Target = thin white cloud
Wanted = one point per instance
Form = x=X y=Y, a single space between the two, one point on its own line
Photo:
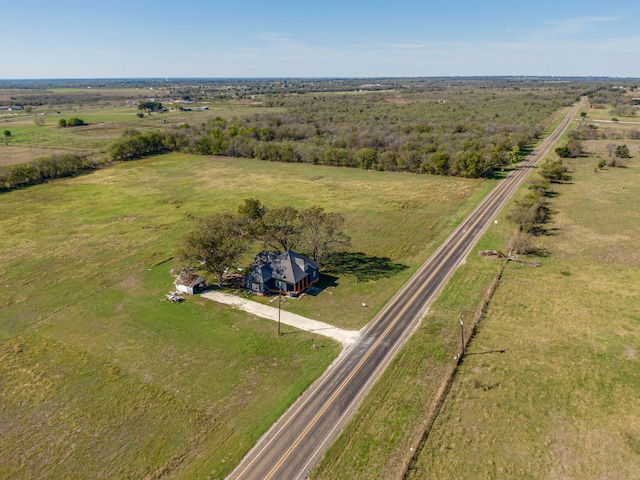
x=281 y=54
x=410 y=46
x=577 y=25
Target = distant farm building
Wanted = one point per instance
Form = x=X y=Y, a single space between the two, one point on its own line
x=290 y=273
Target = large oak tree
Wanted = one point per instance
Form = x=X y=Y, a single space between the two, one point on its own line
x=215 y=244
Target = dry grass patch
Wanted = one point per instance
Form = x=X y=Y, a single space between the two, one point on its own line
x=14 y=155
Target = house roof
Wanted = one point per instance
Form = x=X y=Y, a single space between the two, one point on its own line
x=290 y=266
x=188 y=279
x=260 y=273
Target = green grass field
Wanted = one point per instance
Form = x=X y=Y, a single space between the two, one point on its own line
x=104 y=378
x=560 y=402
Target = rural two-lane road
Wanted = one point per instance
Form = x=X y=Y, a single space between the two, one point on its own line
x=297 y=441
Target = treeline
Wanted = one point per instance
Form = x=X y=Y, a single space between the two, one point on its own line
x=134 y=144
x=531 y=212
x=43 y=169
x=591 y=131
x=459 y=132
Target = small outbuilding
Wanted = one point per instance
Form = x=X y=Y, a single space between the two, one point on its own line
x=189 y=283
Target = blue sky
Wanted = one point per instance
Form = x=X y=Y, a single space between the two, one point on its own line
x=247 y=38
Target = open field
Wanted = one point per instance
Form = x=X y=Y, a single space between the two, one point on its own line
x=103 y=378
x=104 y=125
x=93 y=359
x=380 y=440
x=560 y=401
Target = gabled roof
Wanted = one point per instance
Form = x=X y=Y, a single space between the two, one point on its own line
x=188 y=279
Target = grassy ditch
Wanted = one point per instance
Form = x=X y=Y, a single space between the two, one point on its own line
x=379 y=440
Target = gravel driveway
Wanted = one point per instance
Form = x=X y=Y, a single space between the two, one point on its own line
x=345 y=337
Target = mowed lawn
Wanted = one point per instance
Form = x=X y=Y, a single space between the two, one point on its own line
x=103 y=378
x=562 y=400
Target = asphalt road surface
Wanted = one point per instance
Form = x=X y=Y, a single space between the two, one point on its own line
x=296 y=442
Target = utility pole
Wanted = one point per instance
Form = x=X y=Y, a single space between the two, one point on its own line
x=279 y=301
x=462 y=334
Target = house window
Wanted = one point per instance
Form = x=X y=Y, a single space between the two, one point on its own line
x=314 y=274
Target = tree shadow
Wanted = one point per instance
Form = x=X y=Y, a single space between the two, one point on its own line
x=499 y=174
x=541 y=230
x=362 y=266
x=487 y=352
x=527 y=150
x=325 y=281
x=539 y=252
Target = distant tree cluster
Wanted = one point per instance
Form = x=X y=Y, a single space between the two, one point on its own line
x=134 y=144
x=150 y=106
x=219 y=240
x=553 y=170
x=470 y=134
x=616 y=155
x=43 y=169
x=72 y=122
x=572 y=149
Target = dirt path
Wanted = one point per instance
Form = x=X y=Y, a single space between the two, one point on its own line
x=345 y=337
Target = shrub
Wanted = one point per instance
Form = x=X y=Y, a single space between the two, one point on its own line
x=137 y=145
x=622 y=151
x=553 y=171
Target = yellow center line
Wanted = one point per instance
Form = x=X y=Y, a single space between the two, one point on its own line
x=495 y=198
x=370 y=351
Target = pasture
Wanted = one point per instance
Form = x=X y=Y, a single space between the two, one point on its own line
x=103 y=377
x=560 y=401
